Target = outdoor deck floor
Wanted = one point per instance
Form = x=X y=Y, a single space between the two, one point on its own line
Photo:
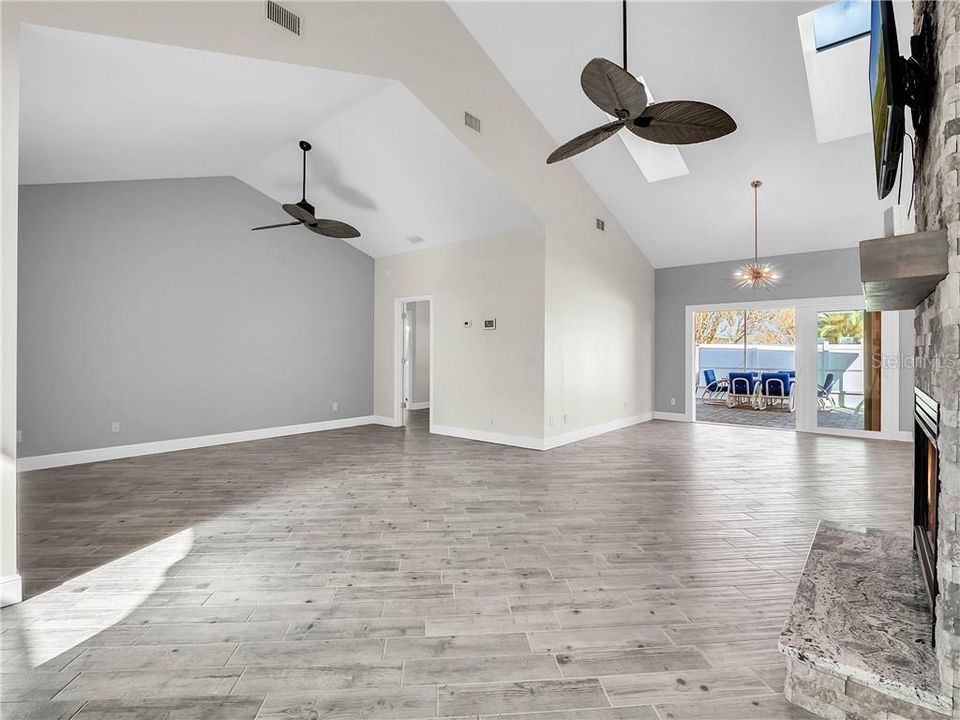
x=774 y=418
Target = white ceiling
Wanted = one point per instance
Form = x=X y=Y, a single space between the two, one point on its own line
x=98 y=108
x=742 y=56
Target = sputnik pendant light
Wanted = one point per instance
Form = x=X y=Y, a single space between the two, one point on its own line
x=756 y=275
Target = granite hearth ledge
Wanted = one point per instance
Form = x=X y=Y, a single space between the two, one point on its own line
x=858 y=638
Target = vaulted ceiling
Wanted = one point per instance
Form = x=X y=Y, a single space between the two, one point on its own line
x=742 y=56
x=101 y=108
x=97 y=108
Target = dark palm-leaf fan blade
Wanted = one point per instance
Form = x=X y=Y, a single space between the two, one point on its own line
x=270 y=227
x=682 y=122
x=334 y=228
x=584 y=142
x=613 y=89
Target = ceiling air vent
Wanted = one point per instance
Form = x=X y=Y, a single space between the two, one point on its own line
x=601 y=225
x=471 y=121
x=283 y=17
x=414 y=239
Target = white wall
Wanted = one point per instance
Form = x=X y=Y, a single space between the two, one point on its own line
x=483 y=380
x=599 y=329
x=421 y=353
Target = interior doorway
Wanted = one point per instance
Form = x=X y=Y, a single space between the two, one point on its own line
x=414 y=397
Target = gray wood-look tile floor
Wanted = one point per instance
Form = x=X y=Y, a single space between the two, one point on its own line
x=387 y=573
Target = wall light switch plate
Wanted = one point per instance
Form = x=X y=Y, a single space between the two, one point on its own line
x=115 y=427
x=19 y=435
x=490 y=324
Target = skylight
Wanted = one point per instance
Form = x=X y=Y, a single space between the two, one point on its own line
x=836 y=78
x=840 y=21
x=656 y=162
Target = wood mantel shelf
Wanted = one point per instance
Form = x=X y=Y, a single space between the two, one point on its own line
x=899 y=272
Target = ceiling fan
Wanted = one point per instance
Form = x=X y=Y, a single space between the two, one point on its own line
x=619 y=94
x=305 y=213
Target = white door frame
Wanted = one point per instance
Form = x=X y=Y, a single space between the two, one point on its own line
x=398 y=304
x=806 y=362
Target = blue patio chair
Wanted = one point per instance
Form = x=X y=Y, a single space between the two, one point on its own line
x=824 y=398
x=714 y=391
x=741 y=389
x=776 y=389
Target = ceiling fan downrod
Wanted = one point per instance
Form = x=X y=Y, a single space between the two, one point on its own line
x=306 y=147
x=625 y=35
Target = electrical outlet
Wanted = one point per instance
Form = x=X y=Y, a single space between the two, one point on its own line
x=673 y=401
x=115 y=426
x=335 y=405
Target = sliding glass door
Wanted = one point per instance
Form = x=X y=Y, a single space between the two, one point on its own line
x=849 y=381
x=836 y=363
x=745 y=366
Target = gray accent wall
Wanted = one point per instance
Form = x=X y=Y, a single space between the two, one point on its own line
x=829 y=273
x=152 y=304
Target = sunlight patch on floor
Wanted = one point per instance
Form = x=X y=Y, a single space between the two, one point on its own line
x=50 y=624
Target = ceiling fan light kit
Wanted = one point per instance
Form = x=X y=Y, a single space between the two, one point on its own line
x=619 y=94
x=756 y=275
x=305 y=214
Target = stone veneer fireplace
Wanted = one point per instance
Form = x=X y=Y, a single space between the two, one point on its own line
x=858 y=640
x=937 y=324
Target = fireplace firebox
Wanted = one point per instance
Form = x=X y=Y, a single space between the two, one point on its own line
x=926 y=489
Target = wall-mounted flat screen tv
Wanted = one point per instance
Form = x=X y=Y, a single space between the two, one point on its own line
x=885 y=97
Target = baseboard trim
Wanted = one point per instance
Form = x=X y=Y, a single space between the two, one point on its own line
x=533 y=443
x=672 y=416
x=384 y=420
x=589 y=432
x=80 y=457
x=420 y=405
x=528 y=443
x=895 y=436
x=11 y=590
